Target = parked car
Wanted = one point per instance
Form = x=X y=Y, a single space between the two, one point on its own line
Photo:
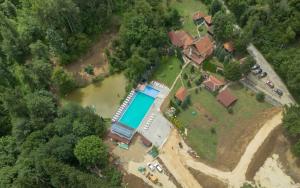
x=262 y=75
x=256 y=66
x=257 y=71
x=151 y=166
x=278 y=92
x=270 y=84
x=158 y=167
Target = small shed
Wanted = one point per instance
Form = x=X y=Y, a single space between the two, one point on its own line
x=181 y=94
x=213 y=84
x=226 y=98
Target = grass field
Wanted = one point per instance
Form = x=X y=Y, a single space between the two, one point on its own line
x=187 y=8
x=167 y=71
x=212 y=119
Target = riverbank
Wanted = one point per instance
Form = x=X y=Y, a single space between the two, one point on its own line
x=104 y=95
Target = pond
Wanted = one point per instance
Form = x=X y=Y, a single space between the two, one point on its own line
x=104 y=96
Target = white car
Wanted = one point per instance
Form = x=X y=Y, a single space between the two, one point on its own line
x=158 y=167
x=151 y=166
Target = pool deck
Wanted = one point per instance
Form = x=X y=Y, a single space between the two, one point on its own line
x=160 y=127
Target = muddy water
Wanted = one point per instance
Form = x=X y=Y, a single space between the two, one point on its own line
x=104 y=96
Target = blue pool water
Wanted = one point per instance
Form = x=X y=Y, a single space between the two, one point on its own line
x=137 y=109
x=151 y=91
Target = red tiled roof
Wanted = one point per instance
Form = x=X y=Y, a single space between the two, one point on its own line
x=226 y=98
x=229 y=46
x=208 y=20
x=198 y=15
x=180 y=38
x=213 y=83
x=205 y=46
x=181 y=94
x=118 y=138
x=191 y=54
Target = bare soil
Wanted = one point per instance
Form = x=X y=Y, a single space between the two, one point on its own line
x=166 y=171
x=231 y=147
x=132 y=181
x=276 y=143
x=94 y=56
x=207 y=181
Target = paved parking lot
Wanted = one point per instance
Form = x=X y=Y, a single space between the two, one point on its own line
x=272 y=76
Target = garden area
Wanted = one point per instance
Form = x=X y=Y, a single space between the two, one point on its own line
x=209 y=123
x=186 y=9
x=167 y=71
x=191 y=77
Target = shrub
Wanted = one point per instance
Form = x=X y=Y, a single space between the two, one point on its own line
x=213 y=130
x=89 y=69
x=98 y=78
x=185 y=76
x=208 y=66
x=260 y=97
x=186 y=102
x=230 y=110
x=199 y=81
x=189 y=84
x=192 y=69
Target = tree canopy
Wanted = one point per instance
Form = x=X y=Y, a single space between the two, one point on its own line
x=37 y=134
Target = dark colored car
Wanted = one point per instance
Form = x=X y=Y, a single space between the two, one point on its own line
x=278 y=91
x=262 y=75
x=256 y=66
x=257 y=71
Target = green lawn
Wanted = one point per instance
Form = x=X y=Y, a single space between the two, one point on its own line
x=192 y=77
x=187 y=8
x=167 y=70
x=212 y=119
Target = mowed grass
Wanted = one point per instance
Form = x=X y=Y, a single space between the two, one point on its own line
x=167 y=71
x=186 y=9
x=212 y=119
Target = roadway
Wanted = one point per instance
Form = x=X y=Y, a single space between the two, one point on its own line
x=260 y=84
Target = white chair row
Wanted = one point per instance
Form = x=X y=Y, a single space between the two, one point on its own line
x=148 y=123
x=122 y=107
x=158 y=84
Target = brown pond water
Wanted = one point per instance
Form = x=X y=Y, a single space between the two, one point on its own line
x=105 y=96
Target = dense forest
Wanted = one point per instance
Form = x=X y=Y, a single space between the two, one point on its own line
x=142 y=40
x=45 y=144
x=274 y=27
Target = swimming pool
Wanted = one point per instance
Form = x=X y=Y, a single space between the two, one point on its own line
x=151 y=91
x=137 y=109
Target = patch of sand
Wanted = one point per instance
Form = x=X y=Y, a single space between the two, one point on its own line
x=271 y=175
x=136 y=156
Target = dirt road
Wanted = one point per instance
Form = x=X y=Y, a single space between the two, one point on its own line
x=238 y=175
x=175 y=162
x=176 y=159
